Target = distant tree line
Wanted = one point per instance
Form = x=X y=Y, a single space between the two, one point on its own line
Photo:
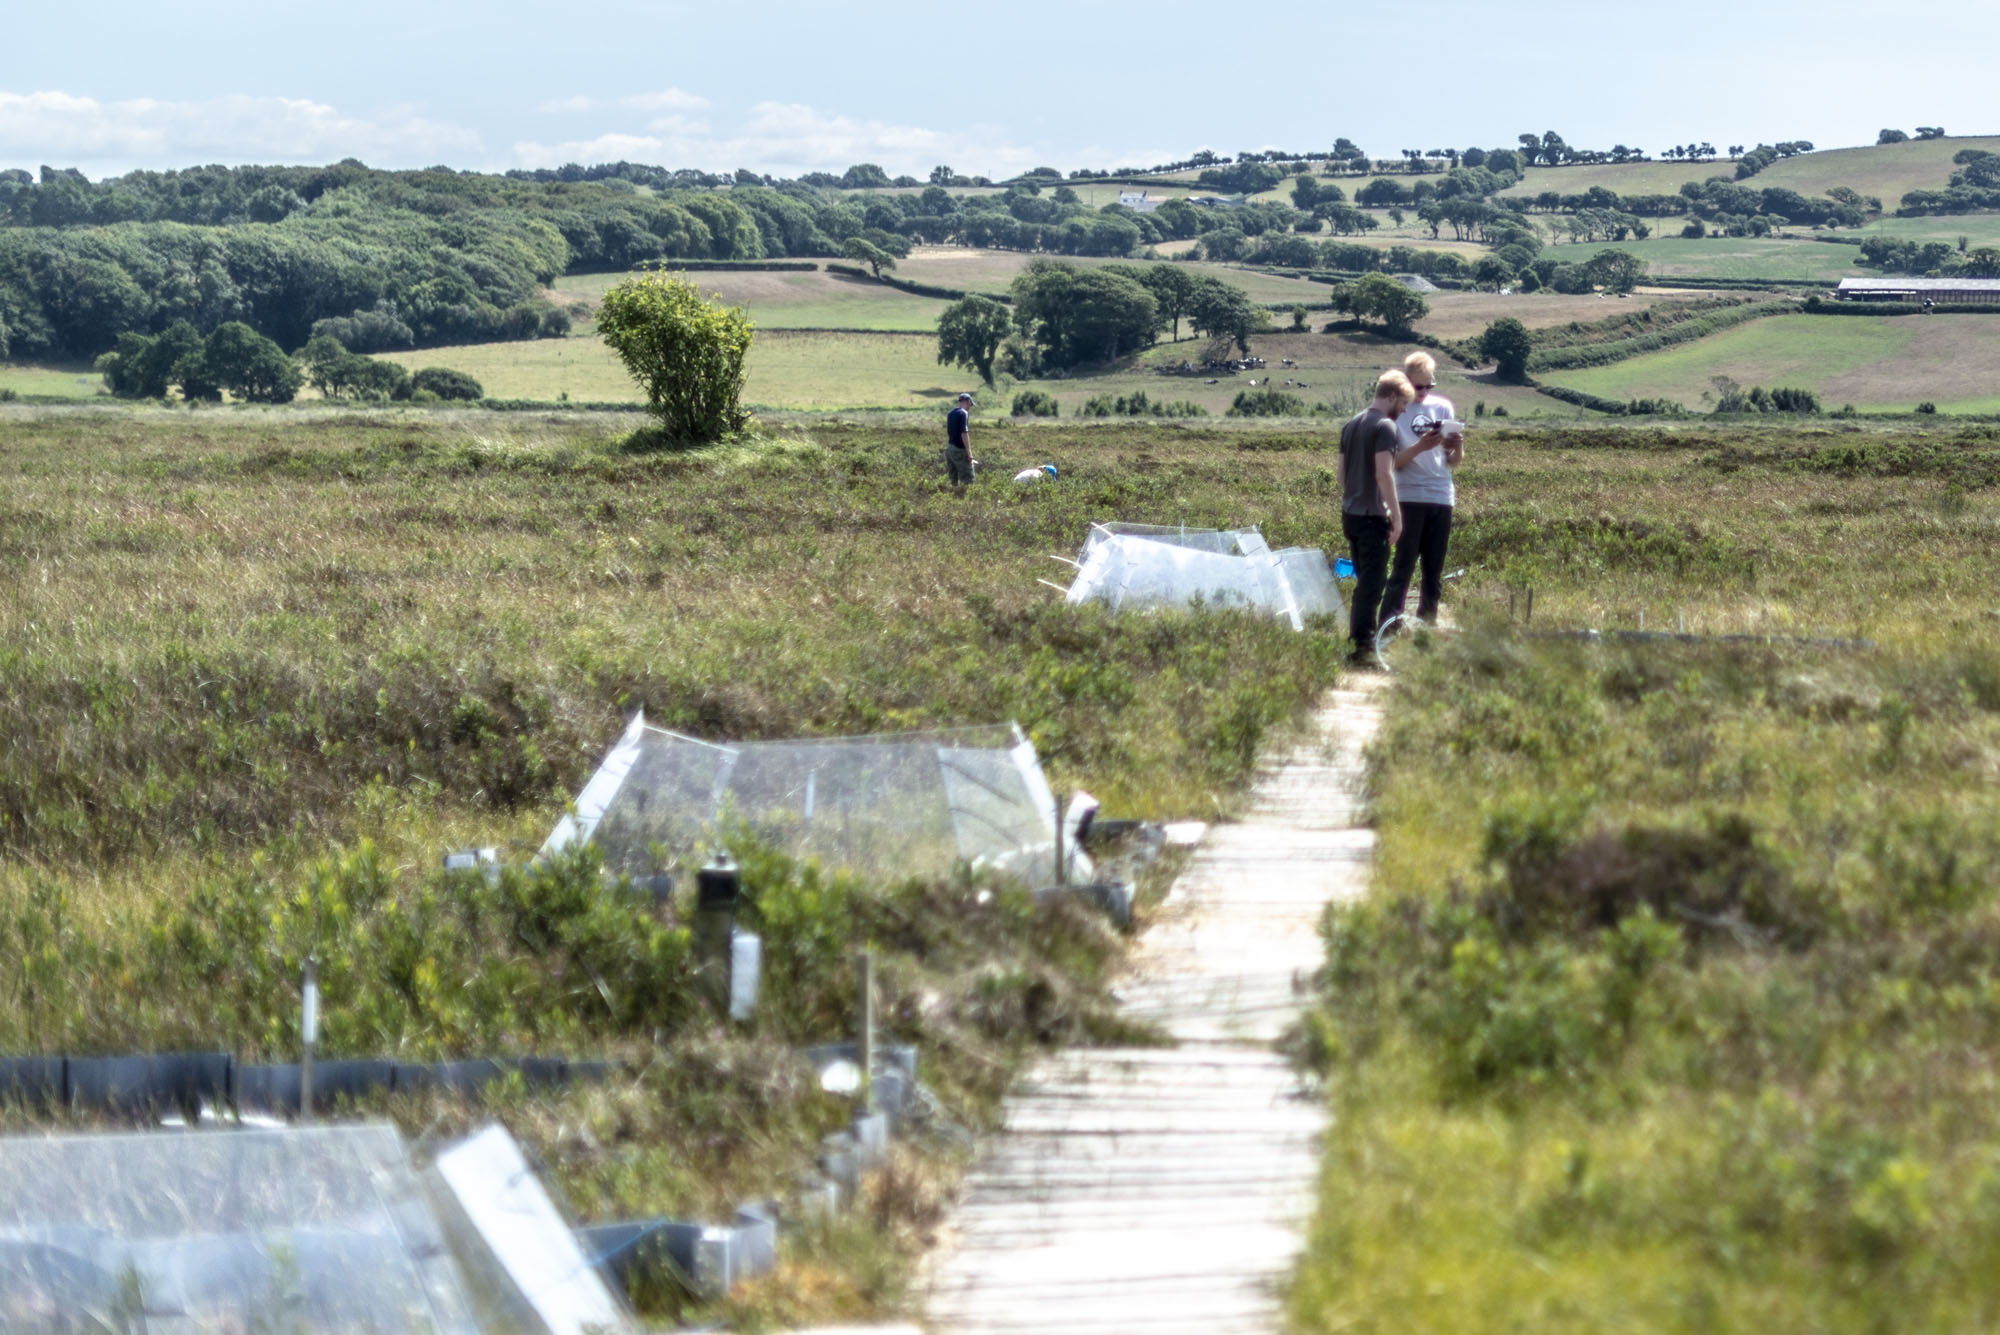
x=237 y=360
x=381 y=260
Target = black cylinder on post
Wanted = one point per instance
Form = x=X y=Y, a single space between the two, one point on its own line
x=718 y=888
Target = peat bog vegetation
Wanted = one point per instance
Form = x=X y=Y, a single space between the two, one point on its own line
x=1675 y=1004
x=263 y=667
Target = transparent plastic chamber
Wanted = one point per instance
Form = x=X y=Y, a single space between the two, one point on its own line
x=1143 y=565
x=314 y=1230
x=287 y=1231
x=899 y=804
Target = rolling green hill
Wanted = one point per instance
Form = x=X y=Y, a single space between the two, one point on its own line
x=1883 y=170
x=1890 y=363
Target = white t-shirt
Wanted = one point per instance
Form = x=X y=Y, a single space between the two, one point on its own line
x=1426 y=479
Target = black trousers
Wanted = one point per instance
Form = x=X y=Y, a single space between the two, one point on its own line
x=1426 y=534
x=1368 y=548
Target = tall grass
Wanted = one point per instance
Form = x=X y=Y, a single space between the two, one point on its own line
x=1673 y=1007
x=262 y=668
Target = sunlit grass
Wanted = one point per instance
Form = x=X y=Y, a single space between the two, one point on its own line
x=1665 y=1012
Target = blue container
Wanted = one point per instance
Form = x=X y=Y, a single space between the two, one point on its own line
x=1343 y=568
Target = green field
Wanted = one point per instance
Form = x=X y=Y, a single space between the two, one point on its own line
x=1627 y=178
x=1463 y=314
x=787 y=300
x=55 y=382
x=1778 y=259
x=818 y=372
x=1890 y=363
x=1886 y=171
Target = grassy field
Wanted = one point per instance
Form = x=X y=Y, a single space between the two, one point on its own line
x=1889 y=363
x=821 y=372
x=1886 y=171
x=1627 y=178
x=264 y=666
x=1782 y=259
x=780 y=300
x=1671 y=1008
x=788 y=369
x=1462 y=314
x=992 y=270
x=1792 y=256
x=79 y=381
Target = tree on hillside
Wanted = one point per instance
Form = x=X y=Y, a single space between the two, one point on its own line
x=1083 y=315
x=1173 y=288
x=863 y=251
x=686 y=351
x=141 y=367
x=970 y=332
x=864 y=176
x=1222 y=310
x=1890 y=137
x=1930 y=132
x=1377 y=296
x=1507 y=343
x=1615 y=270
x=253 y=368
x=447 y=384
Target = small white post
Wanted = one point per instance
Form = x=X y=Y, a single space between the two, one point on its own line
x=865 y=1047
x=309 y=1036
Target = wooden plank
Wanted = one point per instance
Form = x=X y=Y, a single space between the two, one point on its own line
x=1167 y=1189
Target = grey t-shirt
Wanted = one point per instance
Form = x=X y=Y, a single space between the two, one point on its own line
x=1366 y=434
x=1425 y=479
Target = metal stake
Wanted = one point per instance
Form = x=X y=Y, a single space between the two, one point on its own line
x=865 y=966
x=309 y=1033
x=1062 y=877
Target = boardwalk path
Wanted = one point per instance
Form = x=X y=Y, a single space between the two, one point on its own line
x=1166 y=1189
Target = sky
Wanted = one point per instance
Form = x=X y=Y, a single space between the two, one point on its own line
x=790 y=86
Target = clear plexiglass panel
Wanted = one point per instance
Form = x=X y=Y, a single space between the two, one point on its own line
x=894 y=804
x=1142 y=565
x=316 y=1230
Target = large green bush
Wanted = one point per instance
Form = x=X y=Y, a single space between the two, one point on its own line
x=686 y=351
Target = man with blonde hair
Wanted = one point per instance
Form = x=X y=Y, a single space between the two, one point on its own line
x=1427 y=450
x=1370 y=514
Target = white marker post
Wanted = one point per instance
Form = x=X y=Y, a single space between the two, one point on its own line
x=309 y=1033
x=864 y=1047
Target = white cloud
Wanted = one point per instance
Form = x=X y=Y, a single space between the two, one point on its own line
x=786 y=139
x=667 y=99
x=67 y=130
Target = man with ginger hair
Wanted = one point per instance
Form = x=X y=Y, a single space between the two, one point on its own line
x=1370 y=514
x=1427 y=451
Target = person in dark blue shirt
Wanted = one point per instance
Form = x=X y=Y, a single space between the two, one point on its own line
x=958 y=442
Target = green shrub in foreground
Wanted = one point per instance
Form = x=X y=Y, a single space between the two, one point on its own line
x=1694 y=1020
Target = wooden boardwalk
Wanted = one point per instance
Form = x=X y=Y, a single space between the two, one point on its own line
x=1158 y=1190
